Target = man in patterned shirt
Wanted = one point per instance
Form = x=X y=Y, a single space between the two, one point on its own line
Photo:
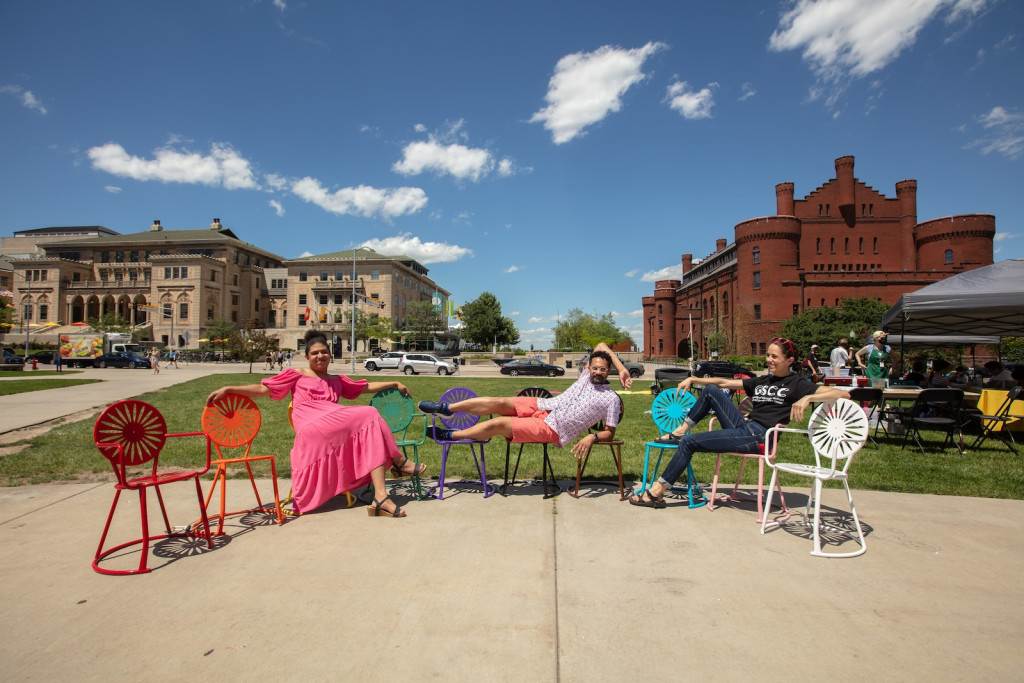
x=558 y=420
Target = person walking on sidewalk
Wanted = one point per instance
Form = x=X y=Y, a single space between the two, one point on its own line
x=558 y=420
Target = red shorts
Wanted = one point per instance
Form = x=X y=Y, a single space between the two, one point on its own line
x=528 y=425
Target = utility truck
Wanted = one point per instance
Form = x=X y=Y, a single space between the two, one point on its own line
x=81 y=350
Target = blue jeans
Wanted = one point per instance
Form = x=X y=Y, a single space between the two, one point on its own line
x=738 y=435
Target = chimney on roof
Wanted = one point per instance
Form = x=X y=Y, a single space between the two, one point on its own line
x=156 y=226
x=720 y=244
x=215 y=225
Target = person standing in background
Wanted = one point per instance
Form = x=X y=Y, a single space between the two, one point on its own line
x=840 y=357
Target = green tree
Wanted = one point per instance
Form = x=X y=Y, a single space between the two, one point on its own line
x=6 y=315
x=1012 y=349
x=220 y=329
x=718 y=342
x=251 y=346
x=826 y=326
x=422 y=322
x=110 y=322
x=580 y=331
x=483 y=323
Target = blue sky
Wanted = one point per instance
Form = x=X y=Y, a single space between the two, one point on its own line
x=558 y=154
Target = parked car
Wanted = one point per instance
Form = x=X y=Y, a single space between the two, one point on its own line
x=387 y=361
x=11 y=357
x=721 y=368
x=42 y=356
x=530 y=366
x=121 y=359
x=415 y=363
x=635 y=369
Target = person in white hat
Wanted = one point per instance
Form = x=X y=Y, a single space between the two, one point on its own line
x=874 y=357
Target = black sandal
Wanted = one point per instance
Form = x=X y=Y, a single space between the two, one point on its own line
x=375 y=509
x=668 y=439
x=397 y=469
x=651 y=501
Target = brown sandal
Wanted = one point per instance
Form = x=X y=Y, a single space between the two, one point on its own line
x=375 y=509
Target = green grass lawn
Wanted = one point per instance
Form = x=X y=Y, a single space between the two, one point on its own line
x=21 y=386
x=67 y=452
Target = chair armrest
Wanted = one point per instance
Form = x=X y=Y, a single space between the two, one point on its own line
x=208 y=446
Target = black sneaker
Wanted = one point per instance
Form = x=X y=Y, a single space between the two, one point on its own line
x=435 y=407
x=439 y=433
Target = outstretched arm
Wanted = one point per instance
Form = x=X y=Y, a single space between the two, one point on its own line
x=382 y=386
x=249 y=390
x=624 y=377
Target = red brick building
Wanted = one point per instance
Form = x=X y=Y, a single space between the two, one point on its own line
x=844 y=239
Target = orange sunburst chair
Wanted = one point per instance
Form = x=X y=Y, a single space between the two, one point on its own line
x=231 y=423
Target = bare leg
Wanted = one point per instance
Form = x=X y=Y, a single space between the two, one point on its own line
x=380 y=490
x=481 y=431
x=485 y=405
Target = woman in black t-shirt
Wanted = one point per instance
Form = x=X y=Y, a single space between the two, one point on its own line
x=777 y=398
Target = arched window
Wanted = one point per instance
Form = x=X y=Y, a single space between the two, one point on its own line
x=817 y=244
x=949 y=256
x=725 y=303
x=659 y=309
x=757 y=255
x=832 y=245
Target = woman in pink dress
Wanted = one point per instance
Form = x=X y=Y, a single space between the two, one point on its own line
x=337 y=448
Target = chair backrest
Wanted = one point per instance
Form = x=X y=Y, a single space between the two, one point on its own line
x=396 y=409
x=599 y=426
x=669 y=409
x=232 y=422
x=837 y=431
x=539 y=392
x=458 y=421
x=942 y=401
x=130 y=433
x=1011 y=396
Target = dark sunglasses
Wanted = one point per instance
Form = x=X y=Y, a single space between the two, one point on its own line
x=782 y=341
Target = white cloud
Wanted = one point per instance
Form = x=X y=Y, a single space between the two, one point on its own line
x=112 y=189
x=222 y=166
x=1000 y=236
x=280 y=4
x=513 y=269
x=459 y=161
x=669 y=273
x=748 y=91
x=691 y=104
x=631 y=314
x=1005 y=133
x=442 y=154
x=362 y=200
x=424 y=252
x=275 y=181
x=587 y=86
x=28 y=99
x=276 y=206
x=632 y=273
x=541 y=319
x=305 y=254
x=843 y=39
x=514 y=313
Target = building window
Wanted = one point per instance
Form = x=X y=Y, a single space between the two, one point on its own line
x=302 y=276
x=860 y=244
x=338 y=299
x=846 y=245
x=302 y=299
x=764 y=349
x=874 y=241
x=323 y=276
x=302 y=319
x=757 y=255
x=44 y=311
x=167 y=273
x=256 y=304
x=757 y=279
x=339 y=275
x=234 y=316
x=660 y=325
x=796 y=309
x=753 y=348
x=234 y=299
x=167 y=310
x=183 y=311
x=949 y=256
x=234 y=279
x=213 y=276
x=725 y=303
x=817 y=244
x=323 y=299
x=828 y=208
x=832 y=245
x=661 y=346
x=375 y=275
x=209 y=314
x=757 y=311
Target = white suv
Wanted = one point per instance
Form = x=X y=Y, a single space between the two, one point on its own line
x=387 y=361
x=414 y=363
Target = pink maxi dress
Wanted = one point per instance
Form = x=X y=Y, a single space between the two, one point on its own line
x=336 y=446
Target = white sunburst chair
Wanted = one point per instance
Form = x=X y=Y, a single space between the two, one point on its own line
x=836 y=431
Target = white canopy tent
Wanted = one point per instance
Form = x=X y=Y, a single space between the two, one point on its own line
x=988 y=301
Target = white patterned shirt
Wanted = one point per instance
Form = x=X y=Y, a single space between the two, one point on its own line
x=579 y=408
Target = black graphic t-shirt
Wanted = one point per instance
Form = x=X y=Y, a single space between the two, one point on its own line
x=772 y=397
